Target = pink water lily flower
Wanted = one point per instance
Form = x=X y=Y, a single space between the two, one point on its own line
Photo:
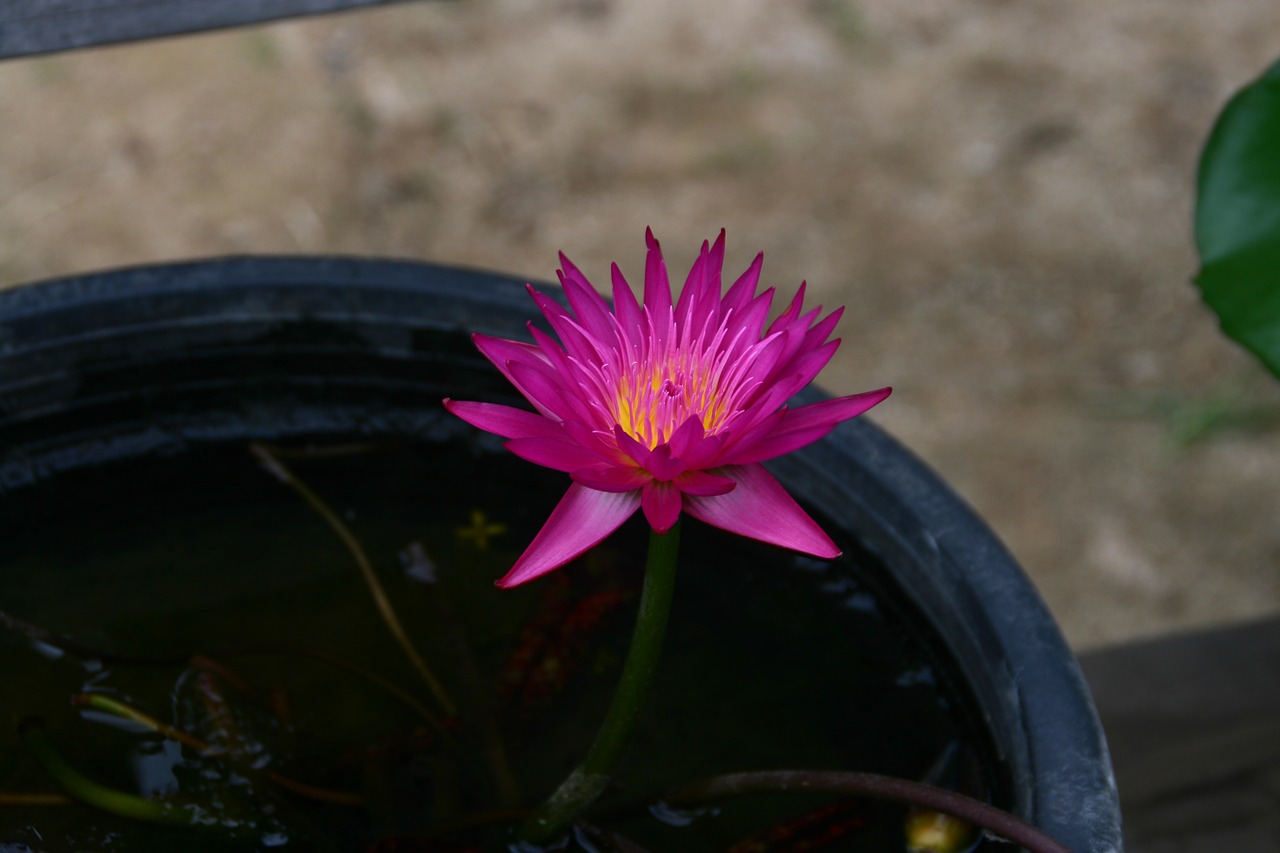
x=665 y=407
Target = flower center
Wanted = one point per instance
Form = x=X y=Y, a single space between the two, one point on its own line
x=656 y=397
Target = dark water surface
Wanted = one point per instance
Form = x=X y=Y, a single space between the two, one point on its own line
x=203 y=592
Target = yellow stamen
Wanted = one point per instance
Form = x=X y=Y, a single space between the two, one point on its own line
x=658 y=397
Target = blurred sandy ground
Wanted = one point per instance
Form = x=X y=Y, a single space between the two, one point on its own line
x=1000 y=192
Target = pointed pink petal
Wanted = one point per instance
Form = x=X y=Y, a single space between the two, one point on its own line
x=661 y=505
x=748 y=322
x=551 y=453
x=750 y=433
x=612 y=478
x=583 y=385
x=774 y=446
x=556 y=314
x=582 y=519
x=703 y=453
x=662 y=465
x=657 y=288
x=541 y=385
x=698 y=308
x=694 y=285
x=822 y=330
x=791 y=313
x=760 y=305
x=797 y=342
x=559 y=360
x=717 y=259
x=598 y=441
x=686 y=437
x=589 y=306
x=802 y=371
x=634 y=450
x=504 y=353
x=627 y=310
x=832 y=411
x=506 y=421
x=575 y=339
x=752 y=373
x=800 y=427
x=743 y=290
x=807 y=334
x=658 y=461
x=759 y=508
x=704 y=484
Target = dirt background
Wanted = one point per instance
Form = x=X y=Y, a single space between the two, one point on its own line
x=1000 y=192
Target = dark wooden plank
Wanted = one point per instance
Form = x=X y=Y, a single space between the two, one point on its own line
x=43 y=26
x=1194 y=726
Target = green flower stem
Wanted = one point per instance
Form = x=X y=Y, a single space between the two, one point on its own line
x=589 y=779
x=88 y=791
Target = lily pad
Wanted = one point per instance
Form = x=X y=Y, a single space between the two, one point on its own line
x=1237 y=221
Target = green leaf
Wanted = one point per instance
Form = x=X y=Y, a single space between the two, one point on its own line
x=1237 y=224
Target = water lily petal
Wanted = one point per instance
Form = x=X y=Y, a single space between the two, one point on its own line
x=686 y=436
x=587 y=384
x=704 y=484
x=662 y=464
x=743 y=291
x=504 y=353
x=630 y=319
x=759 y=508
x=759 y=362
x=802 y=371
x=659 y=462
x=802 y=426
x=577 y=341
x=823 y=328
x=661 y=504
x=557 y=454
x=752 y=429
x=799 y=341
x=704 y=453
x=588 y=305
x=791 y=313
x=598 y=441
x=771 y=447
x=832 y=411
x=501 y=351
x=695 y=312
x=748 y=320
x=506 y=421
x=582 y=519
x=612 y=478
x=635 y=451
x=657 y=290
x=542 y=386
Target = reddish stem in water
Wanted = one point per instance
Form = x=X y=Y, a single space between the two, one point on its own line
x=976 y=812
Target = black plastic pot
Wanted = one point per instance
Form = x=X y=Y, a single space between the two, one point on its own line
x=152 y=361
